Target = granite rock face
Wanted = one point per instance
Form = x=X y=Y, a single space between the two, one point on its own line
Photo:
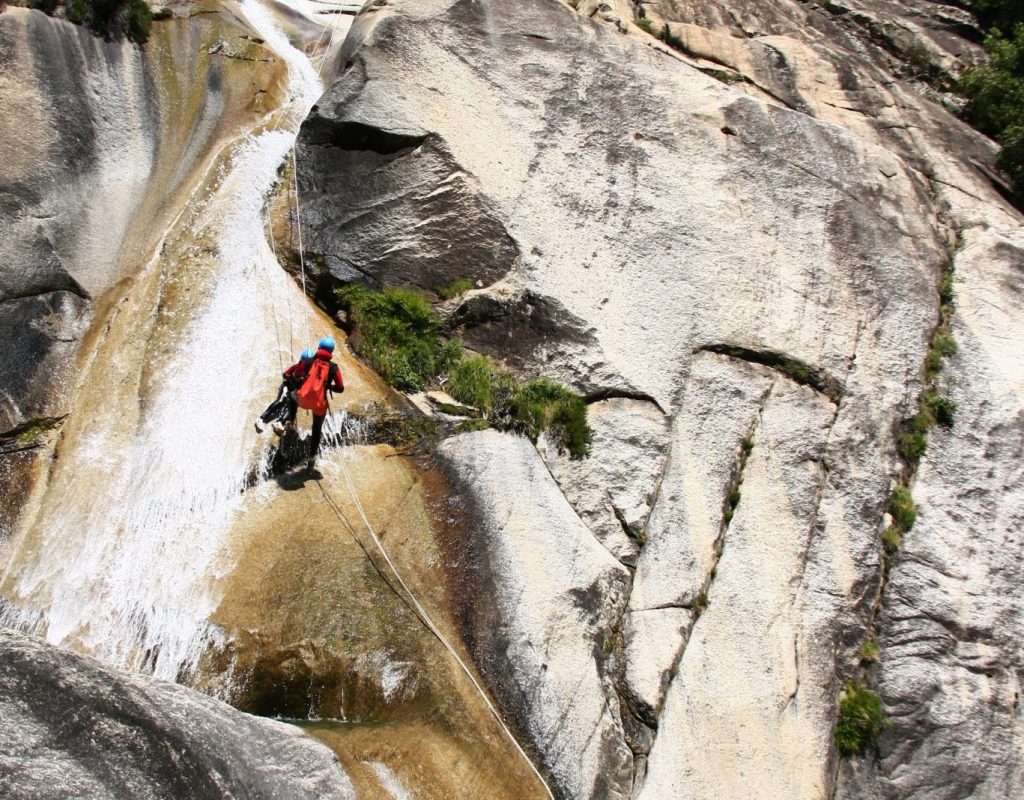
x=735 y=227
x=556 y=593
x=73 y=728
x=100 y=142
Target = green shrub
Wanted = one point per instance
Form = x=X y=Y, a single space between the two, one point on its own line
x=947 y=294
x=996 y=93
x=734 y=498
x=544 y=404
x=901 y=506
x=932 y=363
x=76 y=11
x=131 y=19
x=569 y=426
x=860 y=721
x=454 y=289
x=1004 y=14
x=911 y=446
x=892 y=540
x=137 y=20
x=397 y=332
x=944 y=342
x=472 y=382
x=923 y=421
x=941 y=407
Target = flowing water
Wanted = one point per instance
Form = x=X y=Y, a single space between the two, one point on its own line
x=121 y=553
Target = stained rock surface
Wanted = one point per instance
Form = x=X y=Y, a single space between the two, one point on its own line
x=733 y=223
x=73 y=728
x=101 y=142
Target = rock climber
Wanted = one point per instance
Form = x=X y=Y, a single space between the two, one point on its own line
x=282 y=411
x=320 y=376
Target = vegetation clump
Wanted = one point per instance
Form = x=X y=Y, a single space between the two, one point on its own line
x=398 y=333
x=995 y=92
x=942 y=409
x=869 y=652
x=892 y=540
x=472 y=381
x=860 y=721
x=131 y=19
x=454 y=289
x=902 y=509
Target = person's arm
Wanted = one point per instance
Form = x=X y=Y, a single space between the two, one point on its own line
x=336 y=383
x=295 y=375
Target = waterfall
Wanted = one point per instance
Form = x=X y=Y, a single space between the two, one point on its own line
x=121 y=554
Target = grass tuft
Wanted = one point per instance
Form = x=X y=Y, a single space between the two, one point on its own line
x=397 y=332
x=901 y=506
x=454 y=289
x=911 y=446
x=869 y=652
x=471 y=381
x=860 y=721
x=942 y=409
x=892 y=540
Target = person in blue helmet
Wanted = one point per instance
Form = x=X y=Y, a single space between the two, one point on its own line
x=282 y=411
x=320 y=376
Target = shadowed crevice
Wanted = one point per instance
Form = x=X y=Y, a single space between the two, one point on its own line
x=793 y=368
x=348 y=135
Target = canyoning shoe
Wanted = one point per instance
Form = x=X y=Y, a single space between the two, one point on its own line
x=278 y=427
x=260 y=426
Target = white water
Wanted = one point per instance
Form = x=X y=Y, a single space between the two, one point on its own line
x=123 y=558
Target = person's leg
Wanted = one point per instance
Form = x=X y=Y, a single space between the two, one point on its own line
x=275 y=409
x=290 y=409
x=314 y=445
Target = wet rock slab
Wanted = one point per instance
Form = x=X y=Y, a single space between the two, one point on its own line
x=73 y=728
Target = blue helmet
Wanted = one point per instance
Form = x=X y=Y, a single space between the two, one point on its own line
x=327 y=343
x=307 y=355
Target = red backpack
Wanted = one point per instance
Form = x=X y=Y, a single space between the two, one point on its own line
x=312 y=394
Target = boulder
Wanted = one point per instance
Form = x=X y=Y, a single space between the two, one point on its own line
x=82 y=730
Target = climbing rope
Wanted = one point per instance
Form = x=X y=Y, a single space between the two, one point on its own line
x=419 y=610
x=298 y=226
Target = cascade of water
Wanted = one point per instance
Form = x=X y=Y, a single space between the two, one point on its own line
x=121 y=559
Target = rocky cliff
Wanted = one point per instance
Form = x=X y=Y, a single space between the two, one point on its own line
x=728 y=225
x=754 y=236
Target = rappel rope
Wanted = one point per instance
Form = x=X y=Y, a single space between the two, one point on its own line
x=298 y=226
x=418 y=610
x=273 y=247
x=422 y=614
x=264 y=272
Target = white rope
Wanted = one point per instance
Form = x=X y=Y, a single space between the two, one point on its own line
x=425 y=618
x=298 y=225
